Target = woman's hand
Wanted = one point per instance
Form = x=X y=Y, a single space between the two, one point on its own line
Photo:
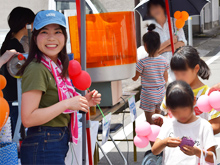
x=93 y=98
x=188 y=150
x=172 y=142
x=78 y=103
x=7 y=56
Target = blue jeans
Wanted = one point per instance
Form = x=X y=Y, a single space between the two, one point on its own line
x=45 y=145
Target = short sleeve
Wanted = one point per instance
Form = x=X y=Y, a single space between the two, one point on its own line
x=140 y=66
x=34 y=78
x=167 y=65
x=163 y=134
x=214 y=114
x=208 y=136
x=181 y=36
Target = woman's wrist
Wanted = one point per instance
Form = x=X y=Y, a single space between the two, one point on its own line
x=66 y=104
x=168 y=42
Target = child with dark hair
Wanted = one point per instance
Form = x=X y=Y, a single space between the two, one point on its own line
x=153 y=72
x=185 y=125
x=188 y=66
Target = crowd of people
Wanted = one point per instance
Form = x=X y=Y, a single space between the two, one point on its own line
x=171 y=84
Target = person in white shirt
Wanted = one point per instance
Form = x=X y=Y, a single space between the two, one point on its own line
x=180 y=100
x=156 y=10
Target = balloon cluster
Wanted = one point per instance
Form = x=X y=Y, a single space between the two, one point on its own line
x=145 y=133
x=4 y=107
x=181 y=18
x=206 y=103
x=80 y=78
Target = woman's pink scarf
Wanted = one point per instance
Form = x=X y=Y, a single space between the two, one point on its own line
x=65 y=91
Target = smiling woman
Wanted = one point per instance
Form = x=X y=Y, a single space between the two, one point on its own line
x=47 y=92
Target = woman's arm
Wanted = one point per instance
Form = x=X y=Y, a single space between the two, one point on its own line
x=136 y=76
x=176 y=46
x=31 y=115
x=167 y=43
x=215 y=125
x=6 y=56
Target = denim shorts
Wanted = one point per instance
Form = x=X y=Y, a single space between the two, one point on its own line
x=45 y=145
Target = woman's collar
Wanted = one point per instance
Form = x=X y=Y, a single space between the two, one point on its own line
x=158 y=25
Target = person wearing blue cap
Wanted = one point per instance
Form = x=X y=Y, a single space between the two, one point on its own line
x=47 y=94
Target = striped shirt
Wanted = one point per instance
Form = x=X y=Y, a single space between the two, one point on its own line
x=152 y=71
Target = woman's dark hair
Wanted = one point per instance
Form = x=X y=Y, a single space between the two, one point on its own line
x=35 y=51
x=155 y=3
x=179 y=94
x=151 y=40
x=17 y=20
x=188 y=57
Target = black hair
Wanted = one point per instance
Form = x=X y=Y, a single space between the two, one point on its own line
x=34 y=50
x=17 y=20
x=151 y=40
x=179 y=94
x=188 y=57
x=155 y=3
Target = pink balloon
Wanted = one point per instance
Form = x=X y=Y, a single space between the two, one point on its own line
x=143 y=129
x=74 y=68
x=214 y=100
x=155 y=131
x=203 y=103
x=141 y=141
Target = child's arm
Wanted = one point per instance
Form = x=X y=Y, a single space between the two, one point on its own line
x=166 y=76
x=188 y=150
x=136 y=76
x=215 y=125
x=159 y=144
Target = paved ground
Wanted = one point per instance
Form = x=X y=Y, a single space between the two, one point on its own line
x=208 y=46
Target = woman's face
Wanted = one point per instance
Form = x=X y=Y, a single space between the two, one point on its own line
x=188 y=75
x=50 y=40
x=157 y=12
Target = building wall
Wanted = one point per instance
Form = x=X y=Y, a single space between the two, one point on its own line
x=7 y=5
x=118 y=5
x=209 y=17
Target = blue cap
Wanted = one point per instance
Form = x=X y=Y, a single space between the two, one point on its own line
x=47 y=17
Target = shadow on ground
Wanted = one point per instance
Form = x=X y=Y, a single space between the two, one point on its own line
x=117 y=160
